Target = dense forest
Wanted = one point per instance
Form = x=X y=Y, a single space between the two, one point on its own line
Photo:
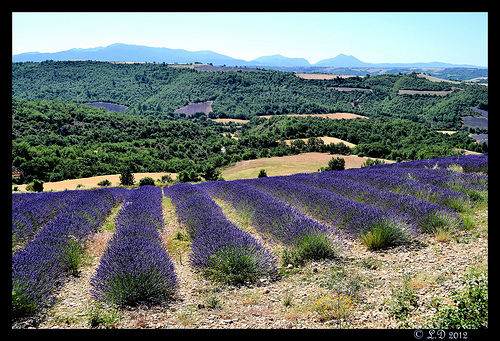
x=54 y=140
x=158 y=90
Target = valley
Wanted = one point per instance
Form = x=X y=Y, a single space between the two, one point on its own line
x=179 y=119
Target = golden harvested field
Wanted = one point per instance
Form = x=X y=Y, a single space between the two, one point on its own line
x=287 y=165
x=333 y=116
x=227 y=120
x=92 y=181
x=435 y=79
x=327 y=140
x=448 y=132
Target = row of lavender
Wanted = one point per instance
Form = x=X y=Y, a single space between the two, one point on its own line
x=32 y=211
x=219 y=250
x=135 y=266
x=45 y=260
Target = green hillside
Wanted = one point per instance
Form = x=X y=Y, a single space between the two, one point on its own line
x=158 y=89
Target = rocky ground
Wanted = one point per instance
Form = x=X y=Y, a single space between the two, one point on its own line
x=380 y=284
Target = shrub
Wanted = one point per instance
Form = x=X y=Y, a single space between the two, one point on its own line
x=39 y=267
x=146 y=181
x=336 y=164
x=262 y=174
x=104 y=183
x=73 y=254
x=233 y=266
x=383 y=233
x=311 y=246
x=135 y=266
x=402 y=299
x=220 y=250
x=35 y=186
x=371 y=162
x=99 y=315
x=469 y=309
x=167 y=178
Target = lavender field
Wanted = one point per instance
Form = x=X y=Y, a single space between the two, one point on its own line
x=293 y=221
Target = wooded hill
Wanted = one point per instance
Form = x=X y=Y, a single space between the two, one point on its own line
x=157 y=89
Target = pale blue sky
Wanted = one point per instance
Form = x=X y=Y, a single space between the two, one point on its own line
x=460 y=38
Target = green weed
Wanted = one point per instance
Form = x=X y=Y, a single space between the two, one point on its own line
x=469 y=309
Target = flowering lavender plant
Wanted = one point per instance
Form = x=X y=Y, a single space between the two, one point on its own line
x=470 y=163
x=392 y=183
x=422 y=213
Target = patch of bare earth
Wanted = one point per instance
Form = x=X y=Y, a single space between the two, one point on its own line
x=192 y=108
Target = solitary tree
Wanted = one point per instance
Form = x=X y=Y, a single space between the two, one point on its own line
x=336 y=164
x=126 y=177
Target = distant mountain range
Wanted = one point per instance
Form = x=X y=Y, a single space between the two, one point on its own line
x=138 y=53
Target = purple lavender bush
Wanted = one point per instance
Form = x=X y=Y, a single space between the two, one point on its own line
x=220 y=250
x=473 y=185
x=135 y=266
x=390 y=182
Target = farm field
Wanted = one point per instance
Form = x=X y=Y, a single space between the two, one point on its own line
x=286 y=165
x=192 y=108
x=333 y=116
x=295 y=251
x=320 y=76
x=227 y=120
x=327 y=140
x=92 y=182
